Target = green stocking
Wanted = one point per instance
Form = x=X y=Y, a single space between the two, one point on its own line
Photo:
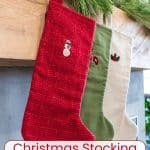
x=91 y=110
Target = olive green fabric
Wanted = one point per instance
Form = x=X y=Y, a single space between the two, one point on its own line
x=92 y=105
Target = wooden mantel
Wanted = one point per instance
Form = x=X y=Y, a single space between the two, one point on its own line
x=119 y=21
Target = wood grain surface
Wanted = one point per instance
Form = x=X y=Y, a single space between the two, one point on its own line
x=21 y=27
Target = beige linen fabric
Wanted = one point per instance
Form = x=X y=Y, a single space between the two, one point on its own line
x=117 y=87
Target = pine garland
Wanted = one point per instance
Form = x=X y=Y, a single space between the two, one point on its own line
x=117 y=3
x=137 y=9
x=91 y=7
x=140 y=11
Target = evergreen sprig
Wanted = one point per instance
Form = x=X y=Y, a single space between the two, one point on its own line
x=91 y=7
x=138 y=10
x=118 y=3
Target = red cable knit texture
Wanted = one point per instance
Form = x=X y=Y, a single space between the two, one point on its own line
x=58 y=82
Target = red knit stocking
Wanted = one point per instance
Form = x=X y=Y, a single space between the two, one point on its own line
x=60 y=73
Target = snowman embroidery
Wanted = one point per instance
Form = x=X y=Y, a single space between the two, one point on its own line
x=67 y=48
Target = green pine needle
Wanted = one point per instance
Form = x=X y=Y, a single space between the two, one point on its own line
x=117 y=3
x=137 y=9
x=91 y=7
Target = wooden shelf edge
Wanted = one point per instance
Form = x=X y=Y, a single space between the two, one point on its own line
x=16 y=63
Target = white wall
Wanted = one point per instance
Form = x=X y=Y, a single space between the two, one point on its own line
x=14 y=88
x=135 y=102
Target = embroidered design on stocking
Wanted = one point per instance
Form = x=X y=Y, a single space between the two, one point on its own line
x=114 y=57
